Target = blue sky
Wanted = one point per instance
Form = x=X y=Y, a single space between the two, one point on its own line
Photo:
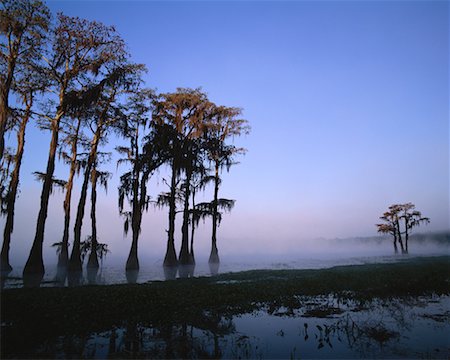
x=348 y=103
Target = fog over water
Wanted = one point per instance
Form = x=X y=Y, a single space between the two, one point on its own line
x=308 y=254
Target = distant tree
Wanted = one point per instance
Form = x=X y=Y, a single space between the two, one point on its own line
x=411 y=218
x=224 y=122
x=391 y=226
x=23 y=28
x=392 y=220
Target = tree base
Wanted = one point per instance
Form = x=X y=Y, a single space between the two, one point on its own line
x=32 y=280
x=186 y=271
x=93 y=261
x=214 y=258
x=61 y=275
x=170 y=260
x=132 y=263
x=186 y=259
x=74 y=278
x=33 y=273
x=192 y=258
x=75 y=265
x=214 y=268
x=92 y=275
x=5 y=268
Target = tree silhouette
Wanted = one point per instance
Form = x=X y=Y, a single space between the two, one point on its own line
x=80 y=50
x=199 y=181
x=223 y=124
x=73 y=137
x=133 y=184
x=106 y=114
x=23 y=28
x=411 y=218
x=102 y=178
x=27 y=91
x=391 y=226
x=184 y=112
x=392 y=223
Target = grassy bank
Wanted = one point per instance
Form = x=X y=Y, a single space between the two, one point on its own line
x=33 y=317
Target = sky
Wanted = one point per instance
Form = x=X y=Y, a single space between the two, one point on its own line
x=348 y=103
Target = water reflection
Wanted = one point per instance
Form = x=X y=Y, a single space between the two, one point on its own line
x=214 y=268
x=61 y=275
x=170 y=272
x=186 y=271
x=74 y=278
x=319 y=328
x=91 y=273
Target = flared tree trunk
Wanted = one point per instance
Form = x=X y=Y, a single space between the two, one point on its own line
x=133 y=261
x=93 y=258
x=33 y=271
x=184 y=257
x=171 y=257
x=214 y=256
x=12 y=193
x=63 y=257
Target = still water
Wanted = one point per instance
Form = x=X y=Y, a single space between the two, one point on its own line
x=315 y=254
x=113 y=272
x=322 y=327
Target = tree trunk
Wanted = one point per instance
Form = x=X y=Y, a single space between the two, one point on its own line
x=395 y=244
x=3 y=119
x=4 y=101
x=406 y=235
x=214 y=256
x=93 y=258
x=34 y=267
x=192 y=256
x=133 y=261
x=184 y=251
x=400 y=236
x=75 y=266
x=171 y=258
x=63 y=257
x=12 y=193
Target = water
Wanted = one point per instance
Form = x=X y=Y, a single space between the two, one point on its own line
x=153 y=270
x=322 y=327
x=398 y=329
